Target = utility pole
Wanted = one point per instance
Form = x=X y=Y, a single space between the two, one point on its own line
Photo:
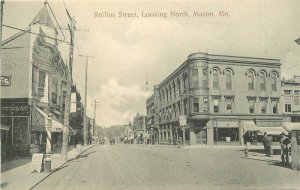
x=85 y=99
x=95 y=104
x=1 y=20
x=64 y=149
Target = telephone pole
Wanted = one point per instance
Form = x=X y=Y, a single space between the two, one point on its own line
x=96 y=105
x=85 y=99
x=64 y=149
x=1 y=19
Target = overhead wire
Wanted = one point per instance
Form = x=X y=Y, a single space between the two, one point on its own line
x=56 y=20
x=27 y=31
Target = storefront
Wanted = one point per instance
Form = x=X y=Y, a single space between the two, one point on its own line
x=15 y=115
x=226 y=132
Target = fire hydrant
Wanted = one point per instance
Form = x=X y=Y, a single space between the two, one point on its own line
x=246 y=152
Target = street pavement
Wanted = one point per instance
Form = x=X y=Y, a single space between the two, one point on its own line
x=120 y=166
x=15 y=174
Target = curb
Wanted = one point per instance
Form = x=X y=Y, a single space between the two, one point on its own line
x=37 y=183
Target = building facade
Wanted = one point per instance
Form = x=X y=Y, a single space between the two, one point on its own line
x=291 y=99
x=33 y=87
x=221 y=97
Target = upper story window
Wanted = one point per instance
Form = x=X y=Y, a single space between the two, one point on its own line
x=205 y=104
x=229 y=105
x=262 y=81
x=216 y=103
x=196 y=104
x=174 y=89
x=251 y=103
x=205 y=78
x=178 y=85
x=215 y=79
x=263 y=106
x=195 y=80
x=287 y=92
x=250 y=76
x=274 y=82
x=41 y=83
x=55 y=91
x=274 y=106
x=296 y=97
x=228 y=79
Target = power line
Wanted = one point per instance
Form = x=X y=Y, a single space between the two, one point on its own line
x=55 y=19
x=27 y=31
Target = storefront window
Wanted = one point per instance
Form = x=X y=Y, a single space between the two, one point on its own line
x=226 y=134
x=20 y=131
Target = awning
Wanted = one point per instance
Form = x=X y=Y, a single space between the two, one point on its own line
x=289 y=126
x=272 y=130
x=4 y=127
x=56 y=126
x=39 y=120
x=249 y=126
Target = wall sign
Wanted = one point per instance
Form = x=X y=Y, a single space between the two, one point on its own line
x=15 y=109
x=5 y=80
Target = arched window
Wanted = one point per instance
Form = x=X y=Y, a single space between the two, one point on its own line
x=250 y=75
x=274 y=82
x=178 y=85
x=215 y=79
x=262 y=81
x=228 y=79
x=174 y=89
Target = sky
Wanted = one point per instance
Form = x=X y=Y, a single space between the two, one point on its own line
x=125 y=49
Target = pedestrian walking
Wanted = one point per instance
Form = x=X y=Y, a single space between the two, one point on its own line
x=284 y=142
x=269 y=141
x=264 y=142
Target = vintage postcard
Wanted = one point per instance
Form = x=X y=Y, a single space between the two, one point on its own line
x=144 y=94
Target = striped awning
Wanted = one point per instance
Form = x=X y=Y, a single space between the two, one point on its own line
x=289 y=126
x=272 y=130
x=249 y=126
x=39 y=120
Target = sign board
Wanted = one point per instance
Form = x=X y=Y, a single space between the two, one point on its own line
x=73 y=107
x=182 y=120
x=5 y=80
x=14 y=109
x=37 y=163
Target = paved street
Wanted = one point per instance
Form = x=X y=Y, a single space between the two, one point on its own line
x=147 y=167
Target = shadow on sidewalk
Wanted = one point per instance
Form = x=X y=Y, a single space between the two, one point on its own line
x=272 y=162
x=14 y=163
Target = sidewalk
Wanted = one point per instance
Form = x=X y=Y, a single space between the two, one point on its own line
x=19 y=177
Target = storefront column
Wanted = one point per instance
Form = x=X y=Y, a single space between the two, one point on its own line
x=241 y=133
x=48 y=143
x=210 y=133
x=192 y=135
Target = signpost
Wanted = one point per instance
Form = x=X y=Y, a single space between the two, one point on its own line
x=37 y=163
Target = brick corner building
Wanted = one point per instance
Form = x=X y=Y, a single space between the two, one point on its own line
x=222 y=98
